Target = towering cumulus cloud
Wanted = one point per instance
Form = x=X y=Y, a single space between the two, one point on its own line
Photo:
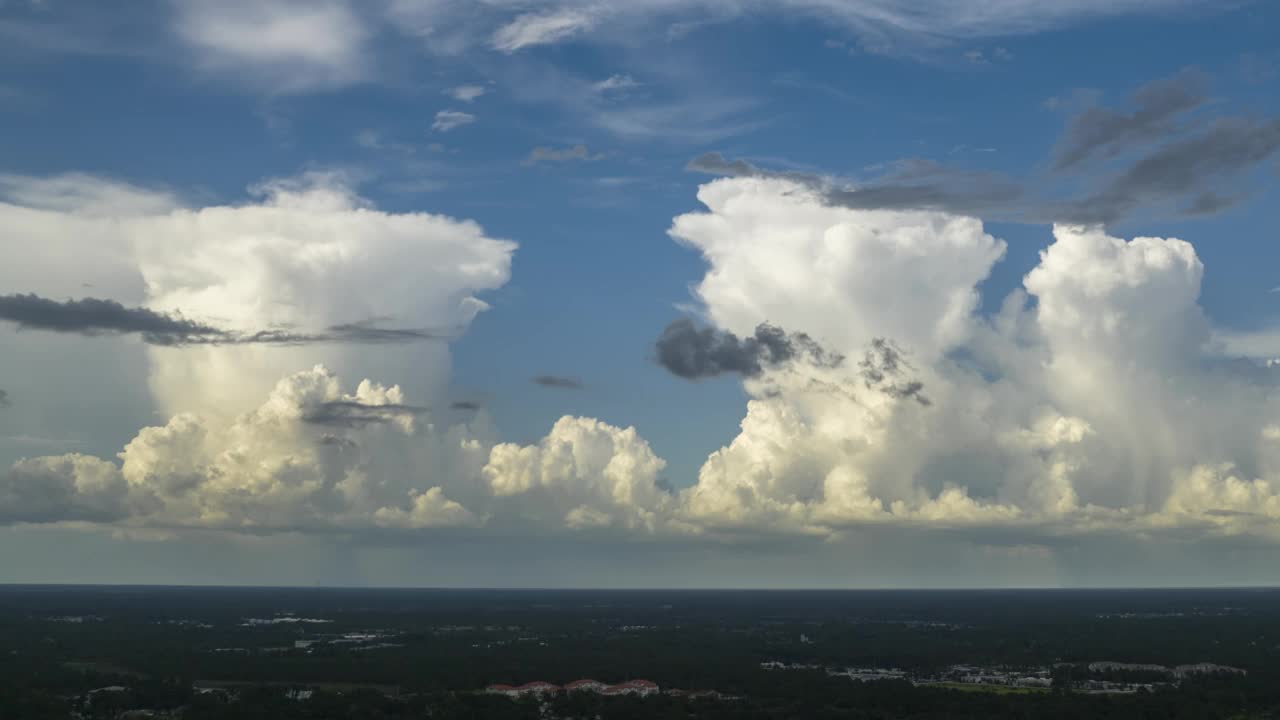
x=1093 y=404
x=308 y=259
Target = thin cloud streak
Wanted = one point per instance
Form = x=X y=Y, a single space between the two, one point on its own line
x=556 y=381
x=95 y=316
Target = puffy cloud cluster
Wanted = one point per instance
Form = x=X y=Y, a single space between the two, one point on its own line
x=271 y=468
x=1092 y=402
x=277 y=468
x=584 y=474
x=65 y=488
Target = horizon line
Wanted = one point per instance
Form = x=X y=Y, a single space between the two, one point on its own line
x=461 y=588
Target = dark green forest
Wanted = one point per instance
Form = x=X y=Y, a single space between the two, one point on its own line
x=194 y=653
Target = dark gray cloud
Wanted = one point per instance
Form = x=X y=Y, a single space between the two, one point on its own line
x=94 y=316
x=555 y=381
x=911 y=184
x=4 y=399
x=1209 y=203
x=369 y=333
x=918 y=184
x=353 y=414
x=713 y=163
x=693 y=352
x=884 y=367
x=465 y=405
x=1157 y=105
x=1152 y=162
x=1184 y=168
x=1159 y=156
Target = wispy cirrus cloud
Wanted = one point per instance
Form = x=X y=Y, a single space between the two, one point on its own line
x=615 y=83
x=542 y=154
x=282 y=45
x=298 y=46
x=467 y=93
x=542 y=28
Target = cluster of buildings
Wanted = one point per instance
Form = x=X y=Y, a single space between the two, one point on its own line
x=641 y=688
x=1178 y=671
x=972 y=675
x=1035 y=678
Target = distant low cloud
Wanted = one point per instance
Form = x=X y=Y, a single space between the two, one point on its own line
x=555 y=381
x=464 y=405
x=447 y=120
x=693 y=352
x=4 y=399
x=95 y=316
x=467 y=93
x=560 y=155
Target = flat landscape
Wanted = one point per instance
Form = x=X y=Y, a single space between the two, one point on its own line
x=174 y=652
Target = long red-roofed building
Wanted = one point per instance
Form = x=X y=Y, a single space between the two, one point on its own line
x=537 y=687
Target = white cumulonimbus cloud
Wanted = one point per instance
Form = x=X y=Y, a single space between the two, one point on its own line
x=306 y=255
x=1091 y=402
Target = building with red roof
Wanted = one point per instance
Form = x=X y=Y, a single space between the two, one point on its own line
x=632 y=687
x=537 y=687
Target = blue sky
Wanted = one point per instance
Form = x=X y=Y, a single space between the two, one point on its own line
x=575 y=143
